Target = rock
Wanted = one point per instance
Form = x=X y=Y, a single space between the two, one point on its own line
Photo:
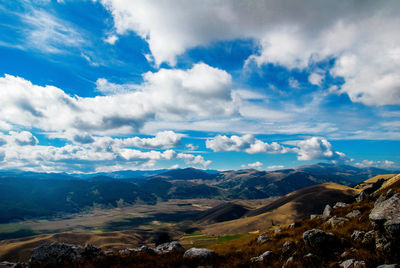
x=361 y=197
x=288 y=247
x=380 y=199
x=263 y=238
x=146 y=250
x=340 y=205
x=385 y=210
x=91 y=252
x=353 y=214
x=315 y=216
x=278 y=230
x=140 y=250
x=126 y=251
x=289 y=261
x=294 y=225
x=171 y=247
x=351 y=263
x=389 y=266
x=369 y=238
x=327 y=212
x=319 y=240
x=382 y=244
x=347 y=263
x=359 y=264
x=263 y=258
x=392 y=227
x=55 y=254
x=337 y=221
x=358 y=236
x=199 y=256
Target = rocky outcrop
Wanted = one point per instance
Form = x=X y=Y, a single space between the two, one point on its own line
x=385 y=210
x=264 y=258
x=337 y=221
x=351 y=263
x=319 y=240
x=263 y=238
x=140 y=250
x=357 y=236
x=60 y=254
x=340 y=205
x=392 y=227
x=327 y=212
x=353 y=214
x=199 y=256
x=361 y=197
x=171 y=248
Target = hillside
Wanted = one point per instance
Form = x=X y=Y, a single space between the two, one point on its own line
x=294 y=206
x=221 y=213
x=21 y=249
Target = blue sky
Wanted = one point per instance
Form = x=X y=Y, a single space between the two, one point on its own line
x=90 y=86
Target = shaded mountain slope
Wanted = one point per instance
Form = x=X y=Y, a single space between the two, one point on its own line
x=224 y=212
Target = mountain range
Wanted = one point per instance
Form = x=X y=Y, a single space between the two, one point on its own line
x=28 y=194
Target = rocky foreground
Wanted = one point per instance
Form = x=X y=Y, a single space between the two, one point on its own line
x=365 y=233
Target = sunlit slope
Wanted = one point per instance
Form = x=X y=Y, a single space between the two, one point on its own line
x=291 y=207
x=21 y=249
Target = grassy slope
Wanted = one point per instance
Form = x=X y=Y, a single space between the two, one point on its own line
x=284 y=210
x=20 y=249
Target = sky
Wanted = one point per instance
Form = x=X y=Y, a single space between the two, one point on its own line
x=100 y=86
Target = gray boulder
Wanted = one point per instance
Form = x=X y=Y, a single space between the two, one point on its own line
x=315 y=216
x=361 y=197
x=353 y=214
x=386 y=210
x=347 y=263
x=55 y=254
x=337 y=221
x=288 y=246
x=263 y=238
x=263 y=258
x=392 y=227
x=199 y=256
x=319 y=240
x=369 y=238
x=327 y=212
x=171 y=247
x=380 y=199
x=382 y=244
x=351 y=263
x=340 y=205
x=146 y=250
x=358 y=236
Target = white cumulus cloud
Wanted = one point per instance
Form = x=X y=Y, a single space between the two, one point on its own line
x=362 y=37
x=378 y=164
x=318 y=148
x=246 y=143
x=202 y=91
